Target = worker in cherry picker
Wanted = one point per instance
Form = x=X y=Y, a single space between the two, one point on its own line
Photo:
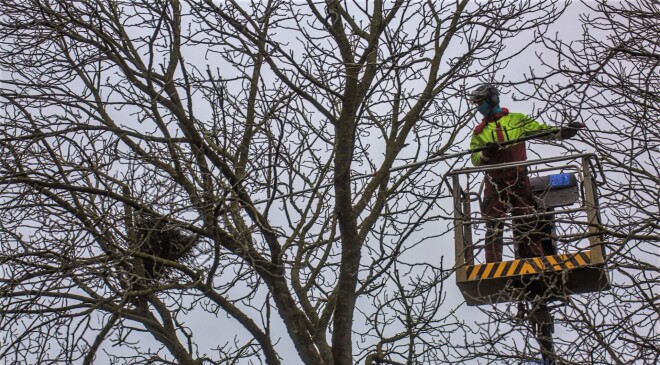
x=508 y=187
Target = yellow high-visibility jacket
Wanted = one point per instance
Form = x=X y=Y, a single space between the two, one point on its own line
x=505 y=127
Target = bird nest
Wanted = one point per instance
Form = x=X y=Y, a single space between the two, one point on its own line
x=159 y=240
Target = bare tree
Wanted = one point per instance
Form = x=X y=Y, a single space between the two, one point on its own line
x=151 y=152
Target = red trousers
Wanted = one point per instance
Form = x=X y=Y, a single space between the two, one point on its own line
x=514 y=195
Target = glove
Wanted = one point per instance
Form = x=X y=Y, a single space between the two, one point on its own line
x=491 y=149
x=571 y=130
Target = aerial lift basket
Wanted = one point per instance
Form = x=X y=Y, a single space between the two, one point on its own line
x=565 y=189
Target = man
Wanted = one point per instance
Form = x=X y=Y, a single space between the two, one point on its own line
x=508 y=187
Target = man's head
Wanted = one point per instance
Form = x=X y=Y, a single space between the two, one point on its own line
x=486 y=98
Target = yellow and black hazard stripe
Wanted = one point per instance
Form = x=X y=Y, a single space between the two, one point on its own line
x=529 y=266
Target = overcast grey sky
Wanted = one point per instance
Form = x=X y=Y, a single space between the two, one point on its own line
x=223 y=330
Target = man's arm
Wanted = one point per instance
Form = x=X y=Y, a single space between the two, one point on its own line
x=531 y=126
x=478 y=158
x=476 y=143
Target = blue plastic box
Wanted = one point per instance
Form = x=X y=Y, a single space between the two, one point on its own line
x=560 y=181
